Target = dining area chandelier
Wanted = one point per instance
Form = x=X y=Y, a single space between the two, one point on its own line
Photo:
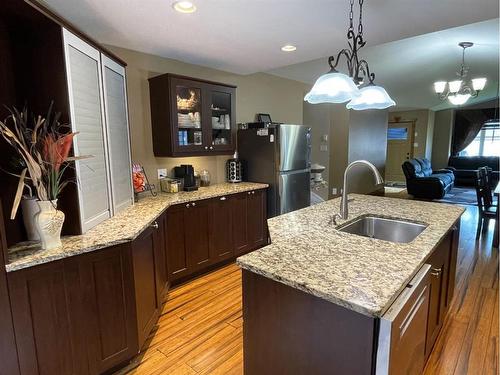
x=459 y=91
x=358 y=87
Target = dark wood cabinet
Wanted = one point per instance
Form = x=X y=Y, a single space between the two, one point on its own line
x=197 y=234
x=441 y=290
x=160 y=250
x=221 y=229
x=192 y=117
x=203 y=233
x=77 y=315
x=42 y=300
x=147 y=262
x=187 y=238
x=249 y=221
x=177 y=261
x=239 y=213
x=256 y=216
x=107 y=285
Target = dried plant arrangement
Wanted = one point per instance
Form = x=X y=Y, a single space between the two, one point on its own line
x=42 y=146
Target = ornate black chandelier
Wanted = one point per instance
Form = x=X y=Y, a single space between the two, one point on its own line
x=336 y=87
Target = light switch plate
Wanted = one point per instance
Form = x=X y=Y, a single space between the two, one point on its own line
x=162 y=173
x=323 y=147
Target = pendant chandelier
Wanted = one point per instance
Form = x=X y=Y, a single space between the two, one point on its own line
x=462 y=89
x=336 y=87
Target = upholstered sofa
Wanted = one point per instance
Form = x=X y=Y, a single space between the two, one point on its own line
x=465 y=167
x=423 y=182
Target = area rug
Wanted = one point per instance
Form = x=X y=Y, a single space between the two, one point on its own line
x=460 y=195
x=457 y=195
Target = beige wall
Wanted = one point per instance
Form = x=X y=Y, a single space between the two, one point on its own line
x=441 y=145
x=368 y=141
x=424 y=127
x=353 y=135
x=256 y=93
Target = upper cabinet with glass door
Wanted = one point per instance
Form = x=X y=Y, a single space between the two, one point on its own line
x=222 y=113
x=191 y=117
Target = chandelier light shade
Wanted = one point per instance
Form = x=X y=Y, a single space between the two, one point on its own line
x=458 y=99
x=439 y=86
x=459 y=91
x=372 y=97
x=478 y=83
x=332 y=87
x=358 y=86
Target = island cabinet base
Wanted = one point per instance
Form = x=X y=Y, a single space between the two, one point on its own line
x=287 y=331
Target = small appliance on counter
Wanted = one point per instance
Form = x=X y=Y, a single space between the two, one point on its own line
x=234 y=169
x=317 y=172
x=186 y=173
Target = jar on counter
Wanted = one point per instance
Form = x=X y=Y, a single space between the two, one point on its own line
x=204 y=178
x=170 y=185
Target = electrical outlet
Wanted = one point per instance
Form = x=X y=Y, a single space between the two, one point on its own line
x=334 y=191
x=162 y=173
x=323 y=147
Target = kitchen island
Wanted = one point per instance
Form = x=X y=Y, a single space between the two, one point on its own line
x=316 y=300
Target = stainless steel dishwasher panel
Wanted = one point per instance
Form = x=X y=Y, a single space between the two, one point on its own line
x=401 y=341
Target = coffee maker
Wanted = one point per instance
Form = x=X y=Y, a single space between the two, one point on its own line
x=186 y=172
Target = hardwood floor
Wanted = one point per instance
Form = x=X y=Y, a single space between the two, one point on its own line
x=200 y=329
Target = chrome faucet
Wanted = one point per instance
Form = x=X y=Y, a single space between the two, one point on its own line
x=344 y=210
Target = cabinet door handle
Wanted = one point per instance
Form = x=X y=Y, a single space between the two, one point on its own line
x=206 y=147
x=155 y=225
x=193 y=204
x=436 y=271
x=222 y=198
x=211 y=148
x=249 y=192
x=253 y=192
x=187 y=205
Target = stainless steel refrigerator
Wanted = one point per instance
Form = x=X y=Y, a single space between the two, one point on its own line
x=279 y=155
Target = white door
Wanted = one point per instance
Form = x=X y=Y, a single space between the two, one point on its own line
x=399 y=149
x=83 y=68
x=115 y=104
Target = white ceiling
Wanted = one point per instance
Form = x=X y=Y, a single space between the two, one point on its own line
x=245 y=36
x=407 y=68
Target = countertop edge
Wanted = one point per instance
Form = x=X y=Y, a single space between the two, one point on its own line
x=339 y=301
x=18 y=264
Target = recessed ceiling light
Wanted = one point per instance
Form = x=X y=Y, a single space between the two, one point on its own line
x=184 y=6
x=288 y=48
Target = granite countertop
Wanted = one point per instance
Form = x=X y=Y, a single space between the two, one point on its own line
x=362 y=274
x=123 y=227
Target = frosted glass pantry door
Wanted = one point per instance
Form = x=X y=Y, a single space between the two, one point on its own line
x=84 y=83
x=115 y=104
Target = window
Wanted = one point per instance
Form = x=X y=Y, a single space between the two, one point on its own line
x=397 y=134
x=487 y=141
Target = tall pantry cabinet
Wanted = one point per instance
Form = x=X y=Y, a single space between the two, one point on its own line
x=98 y=111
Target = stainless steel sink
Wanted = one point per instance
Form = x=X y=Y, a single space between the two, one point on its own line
x=393 y=230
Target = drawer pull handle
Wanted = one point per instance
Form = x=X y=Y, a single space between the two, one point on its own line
x=249 y=193
x=187 y=205
x=155 y=225
x=193 y=204
x=211 y=148
x=206 y=147
x=253 y=192
x=222 y=198
x=436 y=271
